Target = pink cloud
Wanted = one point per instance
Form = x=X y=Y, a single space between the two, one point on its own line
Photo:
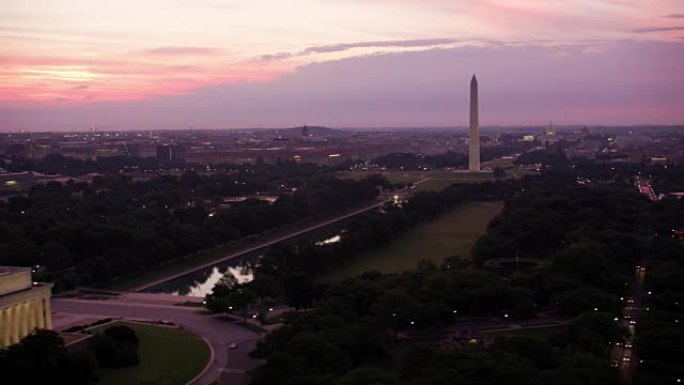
x=183 y=51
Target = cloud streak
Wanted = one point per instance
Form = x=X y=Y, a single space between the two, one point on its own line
x=183 y=51
x=318 y=49
x=659 y=29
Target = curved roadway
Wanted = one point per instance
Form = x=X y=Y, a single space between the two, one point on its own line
x=231 y=365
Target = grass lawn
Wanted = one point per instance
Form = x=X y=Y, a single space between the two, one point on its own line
x=453 y=233
x=168 y=356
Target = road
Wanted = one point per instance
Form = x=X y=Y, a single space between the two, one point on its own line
x=384 y=198
x=231 y=365
x=623 y=355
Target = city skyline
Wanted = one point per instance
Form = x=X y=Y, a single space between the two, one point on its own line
x=232 y=65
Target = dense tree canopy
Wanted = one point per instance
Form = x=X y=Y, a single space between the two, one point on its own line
x=91 y=233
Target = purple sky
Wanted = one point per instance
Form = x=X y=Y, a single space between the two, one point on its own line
x=593 y=83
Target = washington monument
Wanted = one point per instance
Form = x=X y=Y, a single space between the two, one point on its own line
x=474 y=147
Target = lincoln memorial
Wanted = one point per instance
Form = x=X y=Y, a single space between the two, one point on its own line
x=24 y=305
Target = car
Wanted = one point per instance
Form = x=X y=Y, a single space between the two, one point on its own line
x=632 y=322
x=626 y=359
x=232 y=345
x=628 y=345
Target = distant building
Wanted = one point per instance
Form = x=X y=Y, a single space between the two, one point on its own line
x=24 y=305
x=551 y=130
x=13 y=182
x=549 y=136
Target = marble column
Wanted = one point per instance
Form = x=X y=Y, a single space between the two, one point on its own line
x=40 y=318
x=23 y=320
x=48 y=314
x=4 y=327
x=14 y=325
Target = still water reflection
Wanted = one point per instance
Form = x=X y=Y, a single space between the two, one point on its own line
x=199 y=283
x=200 y=289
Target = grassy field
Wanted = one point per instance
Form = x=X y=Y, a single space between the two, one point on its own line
x=168 y=356
x=452 y=233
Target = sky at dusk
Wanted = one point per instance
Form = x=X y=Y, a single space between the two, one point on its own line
x=137 y=64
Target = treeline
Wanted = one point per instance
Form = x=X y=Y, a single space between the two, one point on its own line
x=413 y=161
x=450 y=159
x=553 y=157
x=91 y=233
x=288 y=272
x=60 y=164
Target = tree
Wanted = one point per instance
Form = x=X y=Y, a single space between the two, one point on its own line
x=580 y=300
x=41 y=358
x=117 y=347
x=369 y=376
x=240 y=300
x=591 y=332
x=396 y=309
x=217 y=301
x=299 y=290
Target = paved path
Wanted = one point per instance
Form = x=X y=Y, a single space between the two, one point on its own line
x=230 y=365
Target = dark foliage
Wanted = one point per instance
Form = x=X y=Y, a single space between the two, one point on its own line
x=41 y=358
x=117 y=347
